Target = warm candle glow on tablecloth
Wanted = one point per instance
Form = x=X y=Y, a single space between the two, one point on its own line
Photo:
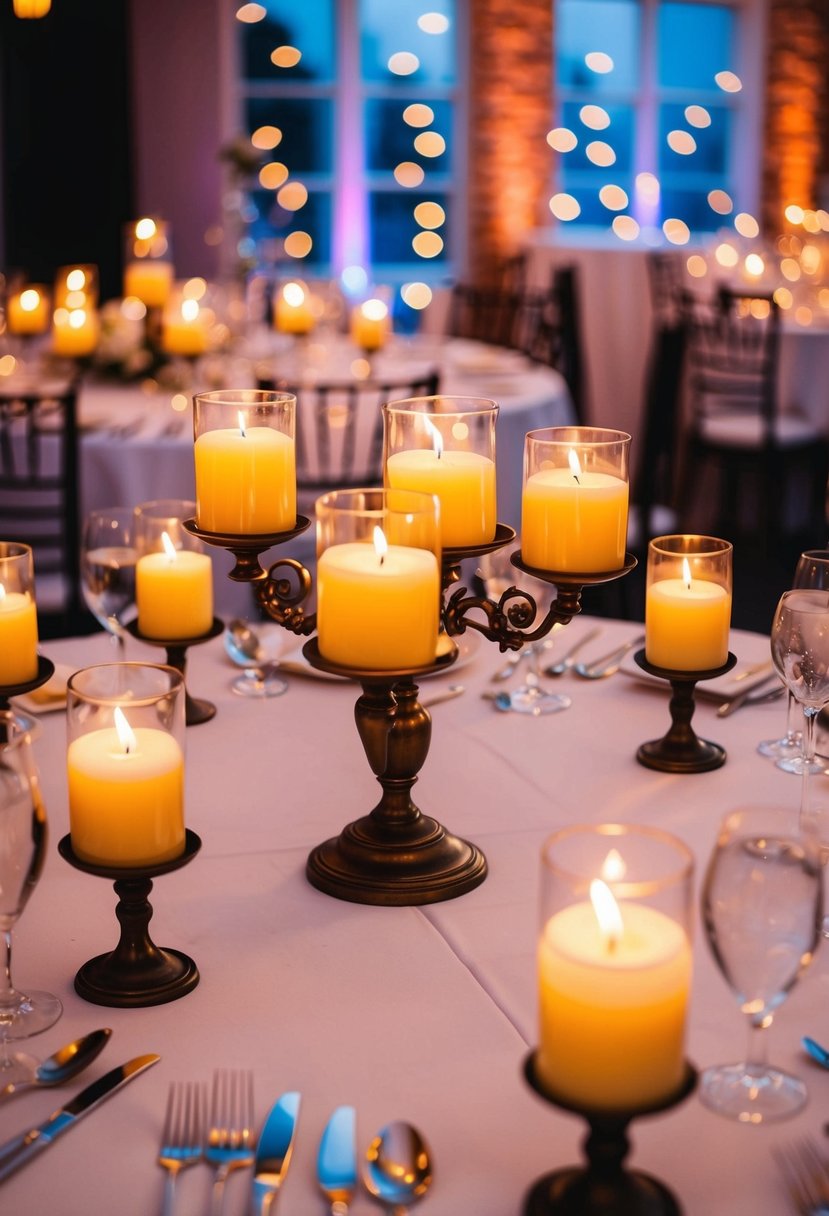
x=174 y=593
x=687 y=623
x=18 y=637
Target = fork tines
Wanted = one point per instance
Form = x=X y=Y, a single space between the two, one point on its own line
x=806 y=1173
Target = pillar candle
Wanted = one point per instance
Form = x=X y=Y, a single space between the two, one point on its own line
x=292 y=310
x=27 y=312
x=75 y=332
x=687 y=623
x=245 y=481
x=370 y=325
x=464 y=482
x=18 y=638
x=612 y=1013
x=184 y=330
x=378 y=614
x=576 y=525
x=150 y=280
x=126 y=800
x=174 y=593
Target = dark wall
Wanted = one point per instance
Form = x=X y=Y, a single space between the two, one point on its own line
x=66 y=160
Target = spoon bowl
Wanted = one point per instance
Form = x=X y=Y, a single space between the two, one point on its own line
x=260 y=677
x=398 y=1167
x=64 y=1064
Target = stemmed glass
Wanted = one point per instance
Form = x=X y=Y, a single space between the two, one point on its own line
x=762 y=904
x=812 y=571
x=23 y=836
x=800 y=653
x=108 y=559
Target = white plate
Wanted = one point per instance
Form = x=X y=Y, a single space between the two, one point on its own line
x=50 y=696
x=746 y=674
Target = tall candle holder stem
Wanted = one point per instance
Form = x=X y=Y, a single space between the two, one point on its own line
x=136 y=973
x=604 y=1187
x=681 y=750
x=196 y=710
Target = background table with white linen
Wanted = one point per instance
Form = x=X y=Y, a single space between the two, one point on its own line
x=417 y=1013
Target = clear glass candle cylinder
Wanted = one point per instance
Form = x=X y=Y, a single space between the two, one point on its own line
x=574 y=507
x=187 y=320
x=688 y=602
x=18 y=615
x=446 y=446
x=370 y=325
x=76 y=287
x=125 y=763
x=293 y=308
x=614 y=966
x=245 y=461
x=148 y=261
x=173 y=573
x=378 y=579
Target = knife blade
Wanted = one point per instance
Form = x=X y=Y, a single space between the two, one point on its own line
x=337 y=1159
x=273 y=1152
x=29 y=1144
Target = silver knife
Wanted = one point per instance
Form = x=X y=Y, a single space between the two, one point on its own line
x=273 y=1152
x=30 y=1144
x=337 y=1159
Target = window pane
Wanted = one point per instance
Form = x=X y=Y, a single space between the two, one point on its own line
x=619 y=135
x=695 y=42
x=274 y=223
x=390 y=139
x=387 y=29
x=307 y=27
x=612 y=26
x=393 y=226
x=692 y=207
x=305 y=124
x=712 y=142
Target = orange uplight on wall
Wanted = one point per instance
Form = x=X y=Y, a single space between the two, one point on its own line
x=31 y=8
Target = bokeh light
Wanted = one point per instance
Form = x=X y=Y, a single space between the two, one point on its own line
x=599 y=61
x=286 y=56
x=594 y=117
x=681 y=142
x=266 y=137
x=625 y=227
x=409 y=174
x=429 y=143
x=613 y=197
x=600 y=153
x=416 y=295
x=403 y=63
x=429 y=215
x=562 y=139
x=418 y=115
x=565 y=207
x=676 y=231
x=298 y=244
x=427 y=244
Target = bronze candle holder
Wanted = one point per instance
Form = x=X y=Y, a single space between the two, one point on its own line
x=45 y=671
x=681 y=750
x=196 y=710
x=137 y=973
x=604 y=1187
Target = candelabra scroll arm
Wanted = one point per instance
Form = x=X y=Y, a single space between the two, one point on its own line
x=509 y=620
x=282 y=597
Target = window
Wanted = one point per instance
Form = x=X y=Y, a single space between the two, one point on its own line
x=353 y=104
x=649 y=110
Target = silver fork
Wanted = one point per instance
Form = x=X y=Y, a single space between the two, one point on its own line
x=806 y=1172
x=182 y=1137
x=230 y=1135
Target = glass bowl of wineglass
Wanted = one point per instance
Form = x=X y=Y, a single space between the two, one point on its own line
x=23 y=839
x=108 y=557
x=762 y=904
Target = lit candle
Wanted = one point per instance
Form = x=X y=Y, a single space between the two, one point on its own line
x=174 y=592
x=76 y=332
x=463 y=481
x=613 y=985
x=126 y=795
x=18 y=637
x=292 y=310
x=370 y=325
x=245 y=480
x=687 y=622
x=378 y=605
x=574 y=521
x=149 y=280
x=183 y=330
x=27 y=311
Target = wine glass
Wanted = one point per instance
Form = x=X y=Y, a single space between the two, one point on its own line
x=812 y=570
x=108 y=559
x=762 y=903
x=800 y=653
x=23 y=835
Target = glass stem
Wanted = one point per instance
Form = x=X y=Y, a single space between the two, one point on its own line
x=792 y=720
x=757 y=1050
x=808 y=753
x=8 y=996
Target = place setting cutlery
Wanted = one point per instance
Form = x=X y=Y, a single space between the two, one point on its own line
x=805 y=1170
x=609 y=663
x=63 y=1065
x=397 y=1165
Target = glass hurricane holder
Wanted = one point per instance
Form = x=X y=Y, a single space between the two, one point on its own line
x=614 y=974
x=174 y=590
x=21 y=668
x=148 y=271
x=125 y=765
x=687 y=623
x=28 y=312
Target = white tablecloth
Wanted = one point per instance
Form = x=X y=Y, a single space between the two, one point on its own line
x=424 y=1014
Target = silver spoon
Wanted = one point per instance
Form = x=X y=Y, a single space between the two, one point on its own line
x=444 y=694
x=398 y=1167
x=610 y=663
x=566 y=660
x=64 y=1064
x=244 y=648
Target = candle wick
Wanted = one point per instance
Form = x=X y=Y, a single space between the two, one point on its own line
x=576 y=479
x=612 y=943
x=382 y=558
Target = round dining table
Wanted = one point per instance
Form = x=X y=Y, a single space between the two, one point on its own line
x=419 y=1013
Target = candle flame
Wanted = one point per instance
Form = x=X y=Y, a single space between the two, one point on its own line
x=607 y=913
x=241 y=420
x=381 y=545
x=77 y=318
x=75 y=280
x=573 y=461
x=29 y=299
x=613 y=867
x=169 y=547
x=374 y=310
x=2 y=592
x=435 y=436
x=126 y=736
x=189 y=309
x=293 y=294
x=145 y=229
x=686 y=573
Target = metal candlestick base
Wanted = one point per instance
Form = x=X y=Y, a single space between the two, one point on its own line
x=394 y=856
x=196 y=711
x=603 y=1187
x=137 y=972
x=681 y=750
x=45 y=671
x=247 y=549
